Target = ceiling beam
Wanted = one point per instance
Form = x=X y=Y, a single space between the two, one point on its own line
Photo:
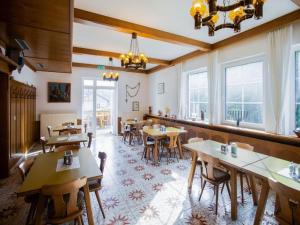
x=85 y=17
x=266 y=27
x=86 y=65
x=87 y=51
x=297 y=2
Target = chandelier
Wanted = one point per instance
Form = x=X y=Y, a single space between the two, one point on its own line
x=133 y=59
x=110 y=75
x=206 y=13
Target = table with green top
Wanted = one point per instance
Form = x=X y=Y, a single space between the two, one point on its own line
x=66 y=139
x=44 y=172
x=157 y=134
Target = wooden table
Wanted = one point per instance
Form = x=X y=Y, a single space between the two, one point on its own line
x=270 y=168
x=66 y=139
x=244 y=157
x=43 y=172
x=157 y=135
x=67 y=128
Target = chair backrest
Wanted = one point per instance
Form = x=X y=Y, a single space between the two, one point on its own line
x=69 y=131
x=148 y=122
x=195 y=139
x=146 y=127
x=244 y=146
x=208 y=165
x=43 y=143
x=90 y=136
x=156 y=126
x=24 y=167
x=289 y=198
x=49 y=128
x=64 y=206
x=63 y=148
x=218 y=138
x=127 y=127
x=173 y=136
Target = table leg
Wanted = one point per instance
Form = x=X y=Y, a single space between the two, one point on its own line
x=180 y=148
x=233 y=185
x=39 y=210
x=88 y=204
x=262 y=202
x=155 y=156
x=192 y=170
x=253 y=189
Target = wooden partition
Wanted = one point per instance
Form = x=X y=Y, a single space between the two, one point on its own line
x=22 y=117
x=285 y=147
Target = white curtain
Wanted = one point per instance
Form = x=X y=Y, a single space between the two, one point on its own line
x=182 y=94
x=214 y=88
x=276 y=83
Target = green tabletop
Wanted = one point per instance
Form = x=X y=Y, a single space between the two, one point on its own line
x=66 y=139
x=43 y=171
x=213 y=148
x=157 y=133
x=63 y=128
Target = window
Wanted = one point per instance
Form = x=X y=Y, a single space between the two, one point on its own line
x=244 y=93
x=297 y=88
x=198 y=94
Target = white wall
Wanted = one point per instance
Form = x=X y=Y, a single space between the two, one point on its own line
x=40 y=80
x=243 y=49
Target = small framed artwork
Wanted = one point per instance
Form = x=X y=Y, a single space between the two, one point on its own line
x=59 y=92
x=135 y=106
x=161 y=88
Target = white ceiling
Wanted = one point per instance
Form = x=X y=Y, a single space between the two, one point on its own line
x=167 y=15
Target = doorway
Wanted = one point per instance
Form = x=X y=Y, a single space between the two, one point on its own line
x=99 y=105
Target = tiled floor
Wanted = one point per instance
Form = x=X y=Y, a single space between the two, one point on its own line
x=138 y=193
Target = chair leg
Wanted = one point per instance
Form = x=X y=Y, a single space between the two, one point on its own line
x=204 y=183
x=242 y=186
x=227 y=187
x=79 y=221
x=30 y=213
x=222 y=188
x=217 y=198
x=99 y=202
x=248 y=184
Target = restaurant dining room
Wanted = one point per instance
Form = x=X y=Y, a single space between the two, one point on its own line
x=156 y=112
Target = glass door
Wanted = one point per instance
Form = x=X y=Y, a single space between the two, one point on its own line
x=98 y=107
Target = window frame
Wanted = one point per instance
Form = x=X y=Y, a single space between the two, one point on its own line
x=295 y=50
x=241 y=62
x=188 y=74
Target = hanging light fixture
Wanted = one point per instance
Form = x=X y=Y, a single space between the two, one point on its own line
x=134 y=59
x=110 y=75
x=206 y=13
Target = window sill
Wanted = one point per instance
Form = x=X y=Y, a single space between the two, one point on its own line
x=253 y=133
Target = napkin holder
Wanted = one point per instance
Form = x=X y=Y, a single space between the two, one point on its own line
x=68 y=158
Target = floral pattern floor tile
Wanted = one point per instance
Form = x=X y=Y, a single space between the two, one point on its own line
x=139 y=193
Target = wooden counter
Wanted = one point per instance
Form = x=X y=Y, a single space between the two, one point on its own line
x=285 y=147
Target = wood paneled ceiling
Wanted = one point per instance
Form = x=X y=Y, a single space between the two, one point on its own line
x=46 y=26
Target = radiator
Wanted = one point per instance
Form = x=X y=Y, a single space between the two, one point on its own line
x=54 y=120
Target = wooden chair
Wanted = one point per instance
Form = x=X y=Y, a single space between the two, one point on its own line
x=96 y=186
x=218 y=138
x=171 y=145
x=242 y=174
x=288 y=207
x=66 y=201
x=147 y=144
x=90 y=136
x=64 y=148
x=148 y=122
x=199 y=162
x=213 y=175
x=24 y=168
x=49 y=128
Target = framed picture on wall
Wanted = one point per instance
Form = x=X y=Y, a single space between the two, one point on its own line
x=135 y=106
x=161 y=88
x=59 y=92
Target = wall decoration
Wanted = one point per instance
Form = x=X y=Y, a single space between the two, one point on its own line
x=135 y=106
x=161 y=88
x=59 y=92
x=132 y=91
